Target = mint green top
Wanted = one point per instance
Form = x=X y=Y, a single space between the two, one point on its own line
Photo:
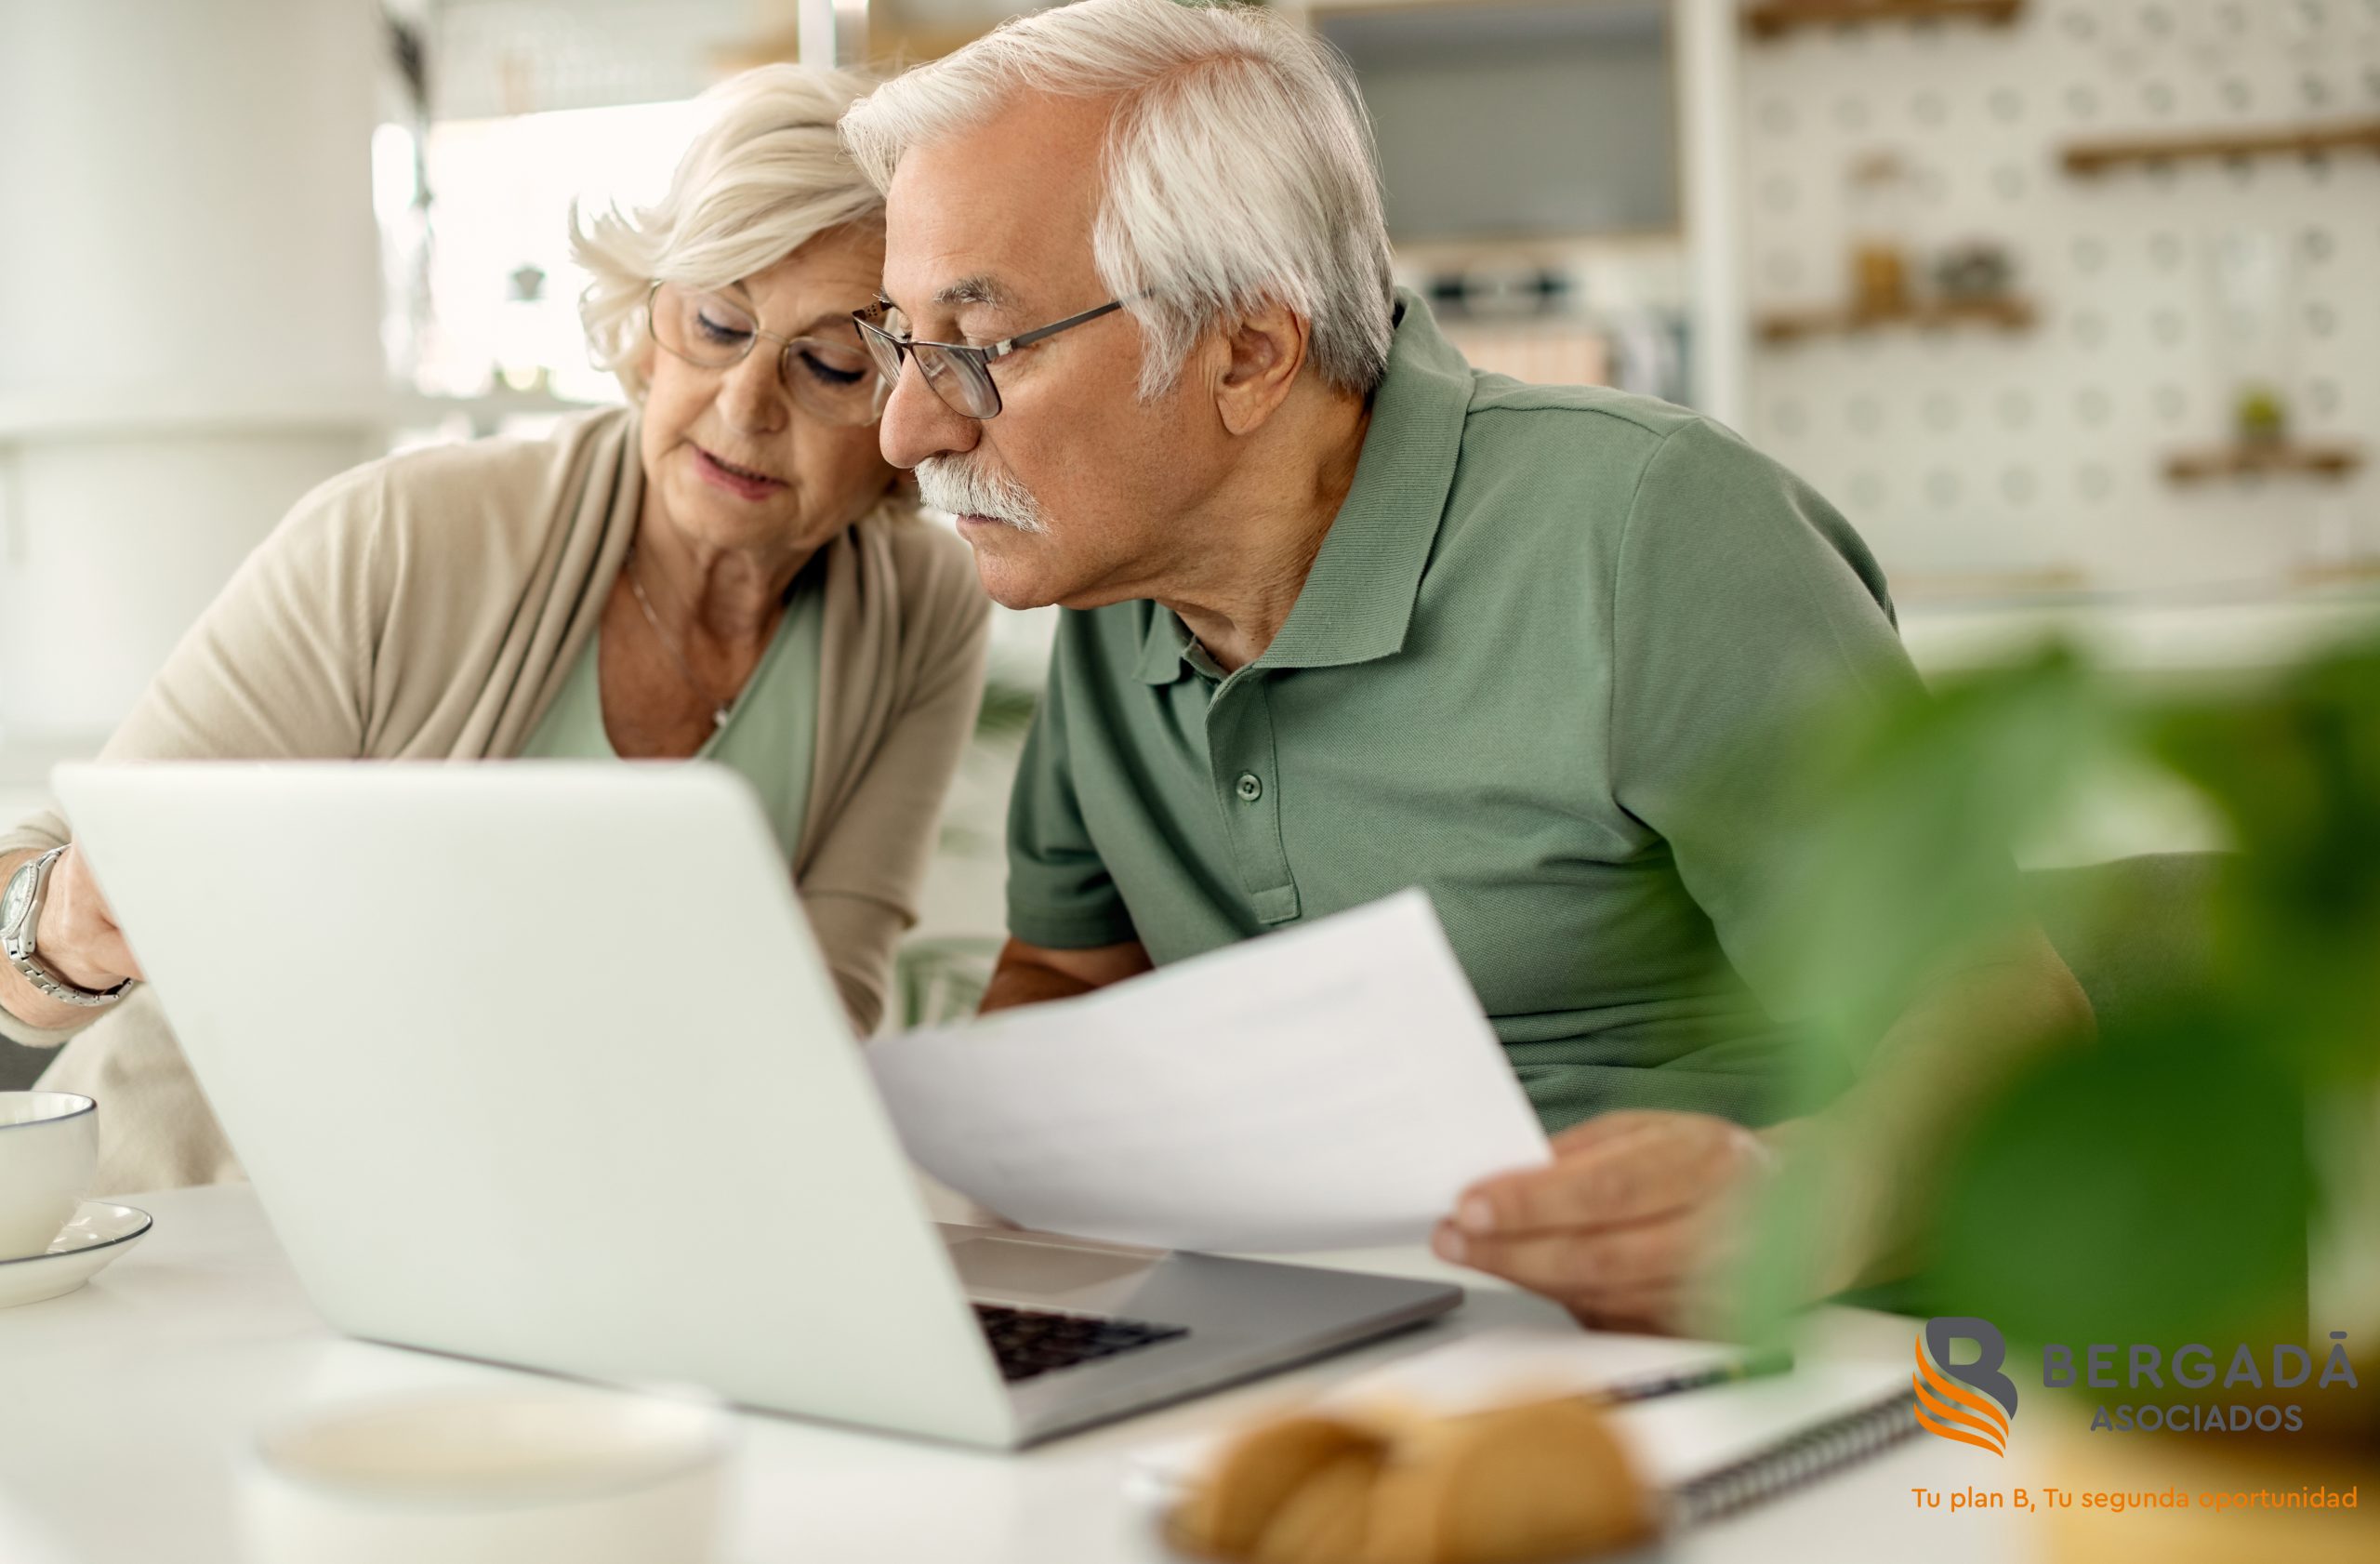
x=1547 y=666
x=771 y=736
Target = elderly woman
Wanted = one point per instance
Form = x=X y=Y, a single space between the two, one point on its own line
x=723 y=570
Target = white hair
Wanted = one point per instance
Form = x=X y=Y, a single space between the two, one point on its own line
x=1239 y=167
x=766 y=176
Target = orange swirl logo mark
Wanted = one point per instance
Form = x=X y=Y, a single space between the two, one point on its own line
x=1949 y=1408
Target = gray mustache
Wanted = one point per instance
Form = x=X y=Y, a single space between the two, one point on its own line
x=947 y=484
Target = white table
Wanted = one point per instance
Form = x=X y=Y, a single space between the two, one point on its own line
x=123 y=1407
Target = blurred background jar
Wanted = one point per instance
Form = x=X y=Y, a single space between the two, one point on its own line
x=1879 y=210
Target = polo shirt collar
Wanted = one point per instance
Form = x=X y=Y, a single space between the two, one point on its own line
x=1357 y=600
x=1165 y=647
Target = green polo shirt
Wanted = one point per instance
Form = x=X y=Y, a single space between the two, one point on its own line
x=1547 y=666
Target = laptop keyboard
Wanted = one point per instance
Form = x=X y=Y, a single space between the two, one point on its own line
x=1030 y=1342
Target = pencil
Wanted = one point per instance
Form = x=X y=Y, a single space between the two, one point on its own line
x=1753 y=1365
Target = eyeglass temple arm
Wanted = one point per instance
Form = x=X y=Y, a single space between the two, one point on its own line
x=1002 y=349
x=990 y=351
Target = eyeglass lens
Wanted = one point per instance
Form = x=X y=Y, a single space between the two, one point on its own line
x=832 y=378
x=963 y=383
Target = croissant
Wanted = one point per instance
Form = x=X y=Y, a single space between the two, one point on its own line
x=1528 y=1484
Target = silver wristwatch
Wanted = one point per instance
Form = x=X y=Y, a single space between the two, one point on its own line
x=20 y=916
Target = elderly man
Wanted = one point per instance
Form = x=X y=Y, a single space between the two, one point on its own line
x=1343 y=615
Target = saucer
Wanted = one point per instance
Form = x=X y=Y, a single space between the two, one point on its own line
x=82 y=1250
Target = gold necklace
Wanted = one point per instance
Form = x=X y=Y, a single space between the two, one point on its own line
x=719 y=708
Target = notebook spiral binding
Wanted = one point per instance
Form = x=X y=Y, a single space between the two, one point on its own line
x=1814 y=1451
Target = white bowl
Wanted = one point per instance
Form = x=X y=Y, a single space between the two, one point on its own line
x=85 y=1246
x=49 y=1149
x=501 y=1475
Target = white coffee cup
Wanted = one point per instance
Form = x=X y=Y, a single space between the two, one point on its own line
x=527 y=1475
x=49 y=1151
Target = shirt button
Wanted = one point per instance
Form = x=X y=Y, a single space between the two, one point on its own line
x=1250 y=787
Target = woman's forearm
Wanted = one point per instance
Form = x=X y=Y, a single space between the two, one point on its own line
x=25 y=1003
x=78 y=941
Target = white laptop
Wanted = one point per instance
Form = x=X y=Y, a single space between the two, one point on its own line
x=539 y=1064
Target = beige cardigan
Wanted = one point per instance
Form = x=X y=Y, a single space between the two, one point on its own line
x=429 y=606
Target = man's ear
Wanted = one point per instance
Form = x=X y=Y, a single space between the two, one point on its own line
x=1262 y=356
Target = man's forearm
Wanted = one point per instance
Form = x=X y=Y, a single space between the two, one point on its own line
x=1030 y=974
x=1879 y=1145
x=1019 y=983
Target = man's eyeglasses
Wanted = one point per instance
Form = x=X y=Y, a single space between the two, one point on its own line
x=958 y=374
x=831 y=378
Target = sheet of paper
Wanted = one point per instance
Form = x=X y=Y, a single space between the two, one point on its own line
x=1331 y=1086
x=1497 y=1367
x=1678 y=1439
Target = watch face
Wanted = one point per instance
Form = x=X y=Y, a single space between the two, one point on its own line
x=13 y=900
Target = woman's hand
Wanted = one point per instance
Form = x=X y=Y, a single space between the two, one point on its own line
x=77 y=936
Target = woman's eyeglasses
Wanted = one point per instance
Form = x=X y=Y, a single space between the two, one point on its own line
x=958 y=374
x=832 y=378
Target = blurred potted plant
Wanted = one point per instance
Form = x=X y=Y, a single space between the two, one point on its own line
x=2155 y=1185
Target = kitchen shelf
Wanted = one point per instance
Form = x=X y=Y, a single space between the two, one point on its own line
x=1934 y=589
x=2344 y=572
x=2088 y=158
x=2333 y=461
x=1779 y=17
x=2005 y=314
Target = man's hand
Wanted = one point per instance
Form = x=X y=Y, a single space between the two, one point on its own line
x=1640 y=1219
x=1630 y=1225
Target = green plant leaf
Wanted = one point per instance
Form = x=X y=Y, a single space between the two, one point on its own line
x=2154 y=1188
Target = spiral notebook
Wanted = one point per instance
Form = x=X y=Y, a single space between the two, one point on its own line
x=1722 y=1449
x=1714 y=1450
